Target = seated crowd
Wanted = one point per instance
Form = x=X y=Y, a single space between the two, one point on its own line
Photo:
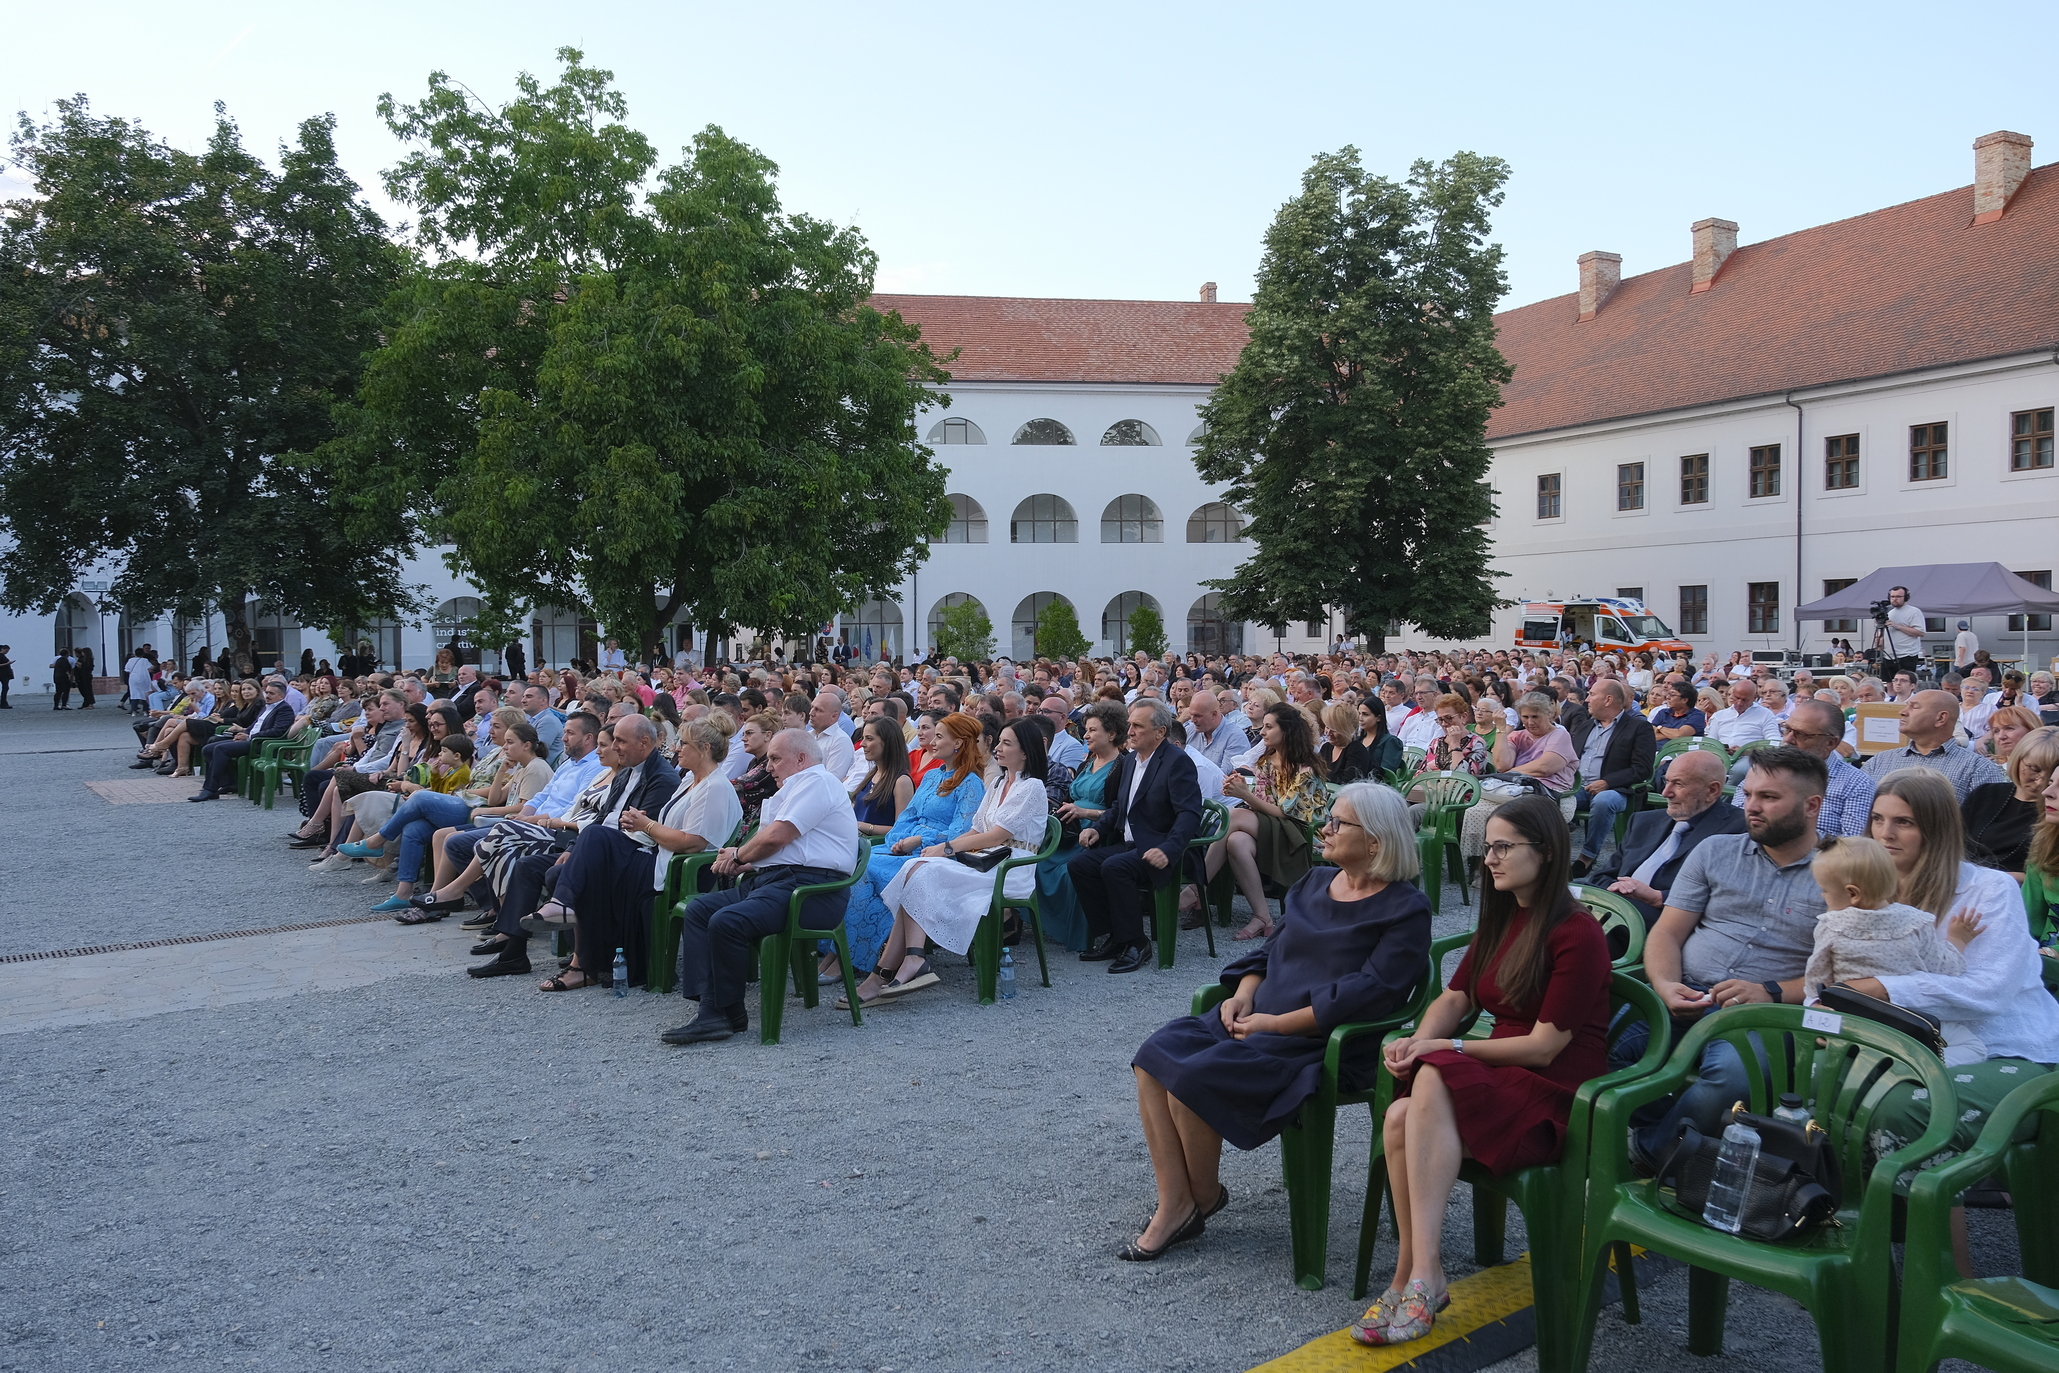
x=557 y=803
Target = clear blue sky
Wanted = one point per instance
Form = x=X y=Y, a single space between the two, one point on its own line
x=1119 y=150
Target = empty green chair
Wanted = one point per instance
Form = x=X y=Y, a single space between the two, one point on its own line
x=986 y=940
x=276 y=760
x=1616 y=913
x=792 y=953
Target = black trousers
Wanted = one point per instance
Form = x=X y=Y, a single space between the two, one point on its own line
x=218 y=763
x=723 y=928
x=1110 y=880
x=524 y=893
x=607 y=880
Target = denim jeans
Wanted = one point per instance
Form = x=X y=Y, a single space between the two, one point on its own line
x=1602 y=808
x=1720 y=1082
x=416 y=821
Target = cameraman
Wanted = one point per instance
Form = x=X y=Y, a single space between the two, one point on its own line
x=1901 y=634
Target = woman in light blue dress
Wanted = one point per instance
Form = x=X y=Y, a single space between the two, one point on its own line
x=941 y=809
x=1058 y=909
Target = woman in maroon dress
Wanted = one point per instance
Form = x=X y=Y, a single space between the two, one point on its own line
x=1540 y=965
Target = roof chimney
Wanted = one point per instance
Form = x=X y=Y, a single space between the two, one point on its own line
x=1714 y=240
x=1208 y=293
x=1599 y=273
x=2000 y=162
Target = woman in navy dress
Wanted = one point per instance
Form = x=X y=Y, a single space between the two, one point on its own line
x=1539 y=964
x=1352 y=946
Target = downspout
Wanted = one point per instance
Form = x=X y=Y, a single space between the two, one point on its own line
x=1799 y=597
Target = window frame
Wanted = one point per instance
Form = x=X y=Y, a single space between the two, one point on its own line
x=1761 y=613
x=1936 y=457
x=2047 y=434
x=1055 y=520
x=1551 y=486
x=1831 y=586
x=1632 y=485
x=1694 y=612
x=1848 y=460
x=1149 y=520
x=977 y=528
x=1757 y=468
x=1688 y=475
x=2039 y=624
x=1233 y=526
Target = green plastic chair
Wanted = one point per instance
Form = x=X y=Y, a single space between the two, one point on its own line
x=1842 y=1274
x=1673 y=748
x=248 y=767
x=1549 y=1196
x=2005 y=1323
x=1448 y=796
x=791 y=953
x=1308 y=1144
x=668 y=912
x=1412 y=758
x=1165 y=901
x=277 y=760
x=1615 y=913
x=986 y=940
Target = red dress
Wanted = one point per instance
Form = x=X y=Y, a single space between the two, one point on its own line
x=1510 y=1117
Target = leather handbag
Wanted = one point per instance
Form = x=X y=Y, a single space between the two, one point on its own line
x=1924 y=1028
x=983 y=860
x=1795 y=1183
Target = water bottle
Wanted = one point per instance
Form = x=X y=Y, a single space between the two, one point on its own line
x=1007 y=975
x=621 y=974
x=1733 y=1181
x=1791 y=1110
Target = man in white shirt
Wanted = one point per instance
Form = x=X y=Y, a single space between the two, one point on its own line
x=1902 y=635
x=1745 y=720
x=833 y=744
x=807 y=836
x=137 y=670
x=1420 y=729
x=613 y=659
x=1394 y=698
x=1066 y=749
x=1965 y=646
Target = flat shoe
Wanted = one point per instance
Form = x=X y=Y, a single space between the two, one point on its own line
x=1409 y=1319
x=705 y=1030
x=410 y=915
x=1134 y=1252
x=392 y=904
x=358 y=850
x=1222 y=1199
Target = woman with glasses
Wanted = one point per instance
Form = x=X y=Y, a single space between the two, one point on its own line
x=1540 y=965
x=1350 y=946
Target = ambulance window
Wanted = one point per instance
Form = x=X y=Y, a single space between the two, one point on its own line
x=1612 y=628
x=1540 y=631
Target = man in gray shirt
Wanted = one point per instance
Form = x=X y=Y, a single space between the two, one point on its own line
x=1928 y=719
x=1214 y=735
x=1738 y=927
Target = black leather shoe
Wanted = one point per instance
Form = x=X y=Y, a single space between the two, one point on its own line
x=1101 y=950
x=479 y=920
x=1134 y=957
x=143 y=765
x=516 y=965
x=488 y=946
x=427 y=902
x=705 y=1030
x=202 y=796
x=318 y=842
x=1582 y=866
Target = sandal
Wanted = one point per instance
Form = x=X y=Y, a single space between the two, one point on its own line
x=843 y=1003
x=415 y=915
x=900 y=986
x=559 y=984
x=1258 y=928
x=1193 y=1228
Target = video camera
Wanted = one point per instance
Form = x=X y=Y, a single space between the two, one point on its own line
x=1880 y=609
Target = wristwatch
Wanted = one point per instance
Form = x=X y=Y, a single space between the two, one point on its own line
x=1458 y=1046
x=1772 y=990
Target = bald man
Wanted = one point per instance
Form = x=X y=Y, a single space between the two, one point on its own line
x=1658 y=841
x=1928 y=719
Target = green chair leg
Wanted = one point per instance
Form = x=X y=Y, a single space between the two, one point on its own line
x=1708 y=1301
x=1369 y=1221
x=1430 y=849
x=1165 y=921
x=1626 y=1283
x=773 y=951
x=1305 y=1160
x=1490 y=1226
x=661 y=966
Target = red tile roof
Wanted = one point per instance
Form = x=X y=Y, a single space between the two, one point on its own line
x=1912 y=286
x=1002 y=338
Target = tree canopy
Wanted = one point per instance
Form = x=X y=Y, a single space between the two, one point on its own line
x=1352 y=430
x=964 y=632
x=175 y=329
x=658 y=403
x=1058 y=632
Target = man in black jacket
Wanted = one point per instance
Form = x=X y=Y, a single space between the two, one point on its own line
x=1644 y=868
x=218 y=756
x=1153 y=811
x=1616 y=747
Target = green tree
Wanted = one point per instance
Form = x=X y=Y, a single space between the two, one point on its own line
x=1352 y=430
x=175 y=330
x=964 y=632
x=1147 y=632
x=1058 y=632
x=648 y=402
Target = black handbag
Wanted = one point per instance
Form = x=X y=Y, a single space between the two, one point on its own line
x=1795 y=1183
x=1921 y=1026
x=983 y=860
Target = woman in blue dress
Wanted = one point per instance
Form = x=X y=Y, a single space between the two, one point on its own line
x=1058 y=909
x=941 y=809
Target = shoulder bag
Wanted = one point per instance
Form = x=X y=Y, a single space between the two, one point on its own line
x=1795 y=1183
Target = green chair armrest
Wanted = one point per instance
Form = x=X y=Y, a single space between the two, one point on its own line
x=1209 y=997
x=1938 y=1186
x=800 y=894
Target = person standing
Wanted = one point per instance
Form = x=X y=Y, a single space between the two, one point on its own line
x=1902 y=636
x=60 y=680
x=1964 y=647
x=6 y=676
x=82 y=675
x=137 y=670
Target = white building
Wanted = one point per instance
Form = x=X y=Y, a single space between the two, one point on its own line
x=1747 y=431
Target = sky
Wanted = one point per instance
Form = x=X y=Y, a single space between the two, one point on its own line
x=1134 y=151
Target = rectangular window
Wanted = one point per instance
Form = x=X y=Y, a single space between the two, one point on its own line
x=1694 y=610
x=1548 y=496
x=2042 y=580
x=1841 y=462
x=1933 y=624
x=1630 y=593
x=1831 y=586
x=1766 y=470
x=1694 y=480
x=1314 y=629
x=1629 y=486
x=1927 y=452
x=1762 y=608
x=2030 y=441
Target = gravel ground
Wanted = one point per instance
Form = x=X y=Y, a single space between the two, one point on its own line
x=430 y=1174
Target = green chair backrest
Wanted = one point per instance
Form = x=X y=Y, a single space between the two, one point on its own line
x=801 y=894
x=1054 y=835
x=1449 y=790
x=1215 y=825
x=1412 y=758
x=1615 y=913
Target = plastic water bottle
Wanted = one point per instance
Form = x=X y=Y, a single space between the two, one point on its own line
x=1733 y=1180
x=1791 y=1110
x=621 y=974
x=1007 y=976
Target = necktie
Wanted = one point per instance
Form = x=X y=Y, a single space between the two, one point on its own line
x=1661 y=855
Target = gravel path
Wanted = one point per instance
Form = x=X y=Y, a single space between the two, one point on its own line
x=431 y=1172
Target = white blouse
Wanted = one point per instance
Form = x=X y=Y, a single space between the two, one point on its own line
x=708 y=808
x=1023 y=812
x=2002 y=996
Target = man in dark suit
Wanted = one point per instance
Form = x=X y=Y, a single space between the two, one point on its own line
x=1616 y=747
x=1644 y=869
x=644 y=780
x=218 y=756
x=468 y=687
x=1154 y=810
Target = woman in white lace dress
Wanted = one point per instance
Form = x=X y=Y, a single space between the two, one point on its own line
x=935 y=897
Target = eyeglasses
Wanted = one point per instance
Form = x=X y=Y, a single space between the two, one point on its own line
x=1790 y=732
x=1501 y=848
x=1333 y=823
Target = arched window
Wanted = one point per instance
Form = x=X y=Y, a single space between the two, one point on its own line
x=273 y=638
x=1115 y=620
x=78 y=624
x=968 y=521
x=1044 y=432
x=1132 y=519
x=874 y=630
x=951 y=602
x=381 y=638
x=558 y=635
x=1130 y=434
x=1215 y=523
x=957 y=431
x=134 y=631
x=451 y=626
x=1208 y=632
x=1044 y=519
x=1200 y=433
x=1023 y=630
